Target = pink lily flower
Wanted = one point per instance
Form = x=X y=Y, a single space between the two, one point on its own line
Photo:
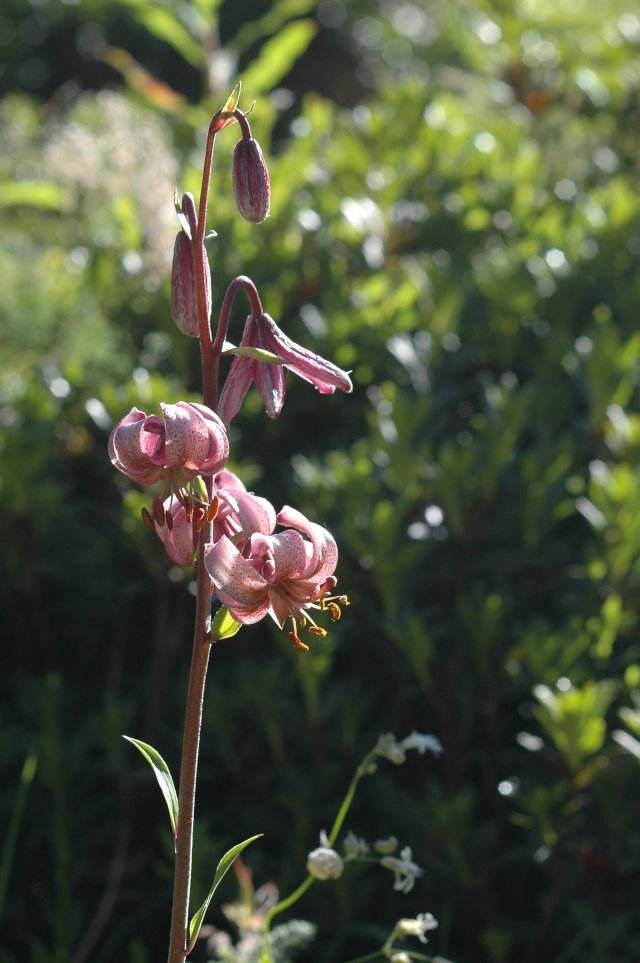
x=280 y=575
x=191 y=441
x=261 y=331
x=240 y=513
x=181 y=539
x=236 y=513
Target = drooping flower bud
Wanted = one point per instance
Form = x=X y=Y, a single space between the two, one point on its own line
x=251 y=185
x=183 y=288
x=324 y=863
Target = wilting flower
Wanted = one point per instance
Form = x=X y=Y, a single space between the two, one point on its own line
x=280 y=575
x=354 y=846
x=404 y=870
x=422 y=923
x=396 y=751
x=422 y=742
x=386 y=846
x=262 y=332
x=240 y=513
x=191 y=441
x=324 y=862
x=388 y=747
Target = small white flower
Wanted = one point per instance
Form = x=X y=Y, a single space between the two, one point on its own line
x=417 y=927
x=386 y=846
x=422 y=742
x=354 y=846
x=391 y=749
x=400 y=958
x=324 y=862
x=404 y=870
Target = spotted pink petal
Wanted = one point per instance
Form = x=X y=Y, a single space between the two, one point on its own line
x=238 y=584
x=324 y=556
x=180 y=543
x=282 y=556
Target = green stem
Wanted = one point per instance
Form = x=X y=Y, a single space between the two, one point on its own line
x=333 y=835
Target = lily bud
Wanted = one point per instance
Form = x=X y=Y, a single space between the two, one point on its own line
x=183 y=289
x=251 y=185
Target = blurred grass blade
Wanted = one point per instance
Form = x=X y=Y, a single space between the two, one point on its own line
x=13 y=830
x=165 y=780
x=277 y=56
x=224 y=865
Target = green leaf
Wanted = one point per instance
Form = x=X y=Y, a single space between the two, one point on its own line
x=163 y=776
x=258 y=354
x=278 y=55
x=224 y=626
x=224 y=864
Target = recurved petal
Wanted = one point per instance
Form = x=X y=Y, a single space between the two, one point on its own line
x=239 y=585
x=237 y=383
x=137 y=451
x=195 y=438
x=284 y=555
x=323 y=374
x=180 y=542
x=322 y=560
x=255 y=514
x=269 y=379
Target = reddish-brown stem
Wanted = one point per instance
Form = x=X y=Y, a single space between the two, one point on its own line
x=201 y=643
x=209 y=362
x=189 y=765
x=255 y=306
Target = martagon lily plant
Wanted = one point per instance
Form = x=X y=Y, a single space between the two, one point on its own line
x=203 y=513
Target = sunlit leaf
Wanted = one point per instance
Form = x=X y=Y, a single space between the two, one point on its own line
x=165 y=780
x=224 y=626
x=223 y=866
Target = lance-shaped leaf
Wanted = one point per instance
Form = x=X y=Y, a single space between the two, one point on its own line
x=165 y=780
x=224 y=626
x=224 y=864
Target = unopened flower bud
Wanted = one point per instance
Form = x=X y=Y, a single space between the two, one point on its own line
x=251 y=185
x=324 y=863
x=183 y=287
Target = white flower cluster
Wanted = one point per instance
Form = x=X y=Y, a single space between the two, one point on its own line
x=396 y=751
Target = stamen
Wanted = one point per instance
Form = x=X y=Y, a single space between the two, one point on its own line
x=334 y=608
x=212 y=511
x=169 y=521
x=146 y=518
x=303 y=622
x=188 y=507
x=201 y=519
x=158 y=511
x=316 y=630
x=295 y=641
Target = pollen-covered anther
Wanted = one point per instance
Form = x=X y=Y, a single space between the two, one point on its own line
x=212 y=511
x=302 y=621
x=200 y=519
x=335 y=611
x=188 y=507
x=298 y=643
x=169 y=520
x=146 y=518
x=158 y=511
x=316 y=630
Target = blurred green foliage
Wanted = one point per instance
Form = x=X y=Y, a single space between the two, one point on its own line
x=455 y=218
